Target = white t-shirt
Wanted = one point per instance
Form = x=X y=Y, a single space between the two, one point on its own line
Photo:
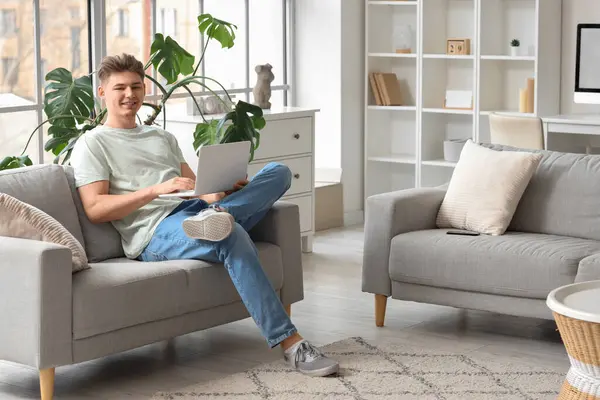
x=130 y=159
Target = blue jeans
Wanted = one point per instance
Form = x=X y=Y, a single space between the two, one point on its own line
x=237 y=252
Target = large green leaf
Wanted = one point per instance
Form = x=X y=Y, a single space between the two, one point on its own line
x=66 y=150
x=243 y=126
x=239 y=125
x=254 y=123
x=221 y=31
x=12 y=162
x=206 y=134
x=60 y=138
x=170 y=59
x=67 y=96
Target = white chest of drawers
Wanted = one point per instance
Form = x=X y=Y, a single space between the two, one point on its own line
x=288 y=138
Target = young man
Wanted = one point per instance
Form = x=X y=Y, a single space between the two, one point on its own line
x=121 y=168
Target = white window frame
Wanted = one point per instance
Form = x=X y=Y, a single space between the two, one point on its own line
x=97 y=42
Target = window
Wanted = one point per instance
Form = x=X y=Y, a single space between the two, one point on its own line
x=64 y=37
x=122 y=23
x=8 y=22
x=178 y=20
x=64 y=44
x=75 y=48
x=43 y=21
x=64 y=41
x=17 y=56
x=267 y=38
x=10 y=72
x=125 y=36
x=228 y=66
x=74 y=12
x=44 y=68
x=167 y=22
x=21 y=125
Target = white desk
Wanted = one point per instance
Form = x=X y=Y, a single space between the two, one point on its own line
x=574 y=124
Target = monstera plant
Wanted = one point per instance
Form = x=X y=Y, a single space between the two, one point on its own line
x=72 y=110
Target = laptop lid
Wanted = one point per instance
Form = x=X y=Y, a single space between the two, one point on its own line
x=221 y=166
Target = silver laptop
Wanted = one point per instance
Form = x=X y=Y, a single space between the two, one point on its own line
x=220 y=167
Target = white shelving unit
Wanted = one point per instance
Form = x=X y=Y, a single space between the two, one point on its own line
x=404 y=144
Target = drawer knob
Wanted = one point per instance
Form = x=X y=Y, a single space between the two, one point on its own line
x=297 y=176
x=296 y=136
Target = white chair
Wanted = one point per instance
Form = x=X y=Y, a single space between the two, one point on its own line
x=517 y=131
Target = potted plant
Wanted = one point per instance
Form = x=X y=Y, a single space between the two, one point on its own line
x=71 y=108
x=514 y=47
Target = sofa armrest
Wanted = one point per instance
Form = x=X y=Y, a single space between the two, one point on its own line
x=281 y=226
x=386 y=216
x=35 y=302
x=589 y=269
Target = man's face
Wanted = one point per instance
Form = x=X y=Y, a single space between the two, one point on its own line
x=123 y=93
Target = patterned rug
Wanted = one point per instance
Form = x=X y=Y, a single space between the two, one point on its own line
x=390 y=371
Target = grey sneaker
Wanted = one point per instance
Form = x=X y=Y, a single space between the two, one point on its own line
x=308 y=360
x=209 y=224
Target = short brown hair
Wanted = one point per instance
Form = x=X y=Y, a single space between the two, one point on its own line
x=120 y=63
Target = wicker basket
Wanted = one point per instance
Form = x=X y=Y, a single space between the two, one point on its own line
x=568 y=392
x=576 y=310
x=582 y=342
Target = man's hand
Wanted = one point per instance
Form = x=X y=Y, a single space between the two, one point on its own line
x=173 y=185
x=181 y=184
x=238 y=186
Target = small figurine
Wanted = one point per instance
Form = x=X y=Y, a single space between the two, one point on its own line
x=262 y=89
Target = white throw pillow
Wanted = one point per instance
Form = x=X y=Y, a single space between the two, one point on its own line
x=486 y=188
x=21 y=220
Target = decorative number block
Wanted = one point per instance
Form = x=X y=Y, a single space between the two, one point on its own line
x=458 y=47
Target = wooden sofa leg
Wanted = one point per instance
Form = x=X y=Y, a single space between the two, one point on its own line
x=47 y=383
x=288 y=309
x=380 y=304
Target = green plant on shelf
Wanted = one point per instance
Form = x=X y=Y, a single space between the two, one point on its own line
x=72 y=110
x=515 y=43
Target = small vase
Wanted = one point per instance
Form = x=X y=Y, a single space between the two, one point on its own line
x=514 y=51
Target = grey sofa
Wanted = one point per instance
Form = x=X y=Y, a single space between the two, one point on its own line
x=553 y=240
x=51 y=317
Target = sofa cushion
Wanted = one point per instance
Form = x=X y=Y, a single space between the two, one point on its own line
x=102 y=241
x=517 y=264
x=485 y=189
x=119 y=293
x=44 y=187
x=562 y=197
x=210 y=286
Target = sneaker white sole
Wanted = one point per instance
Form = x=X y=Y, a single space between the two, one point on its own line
x=214 y=227
x=318 y=373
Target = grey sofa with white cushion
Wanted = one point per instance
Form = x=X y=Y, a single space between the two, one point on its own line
x=51 y=317
x=553 y=240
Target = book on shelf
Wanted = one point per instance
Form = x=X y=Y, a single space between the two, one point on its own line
x=385 y=88
x=527 y=97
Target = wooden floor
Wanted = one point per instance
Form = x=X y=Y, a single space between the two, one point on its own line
x=334 y=308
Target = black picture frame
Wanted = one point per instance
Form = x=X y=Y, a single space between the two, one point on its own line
x=579 y=89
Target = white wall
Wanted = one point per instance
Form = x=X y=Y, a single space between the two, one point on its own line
x=330 y=75
x=329 y=65
x=317 y=69
x=573 y=13
x=352 y=112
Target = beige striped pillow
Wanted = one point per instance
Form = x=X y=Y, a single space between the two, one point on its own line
x=486 y=188
x=21 y=220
